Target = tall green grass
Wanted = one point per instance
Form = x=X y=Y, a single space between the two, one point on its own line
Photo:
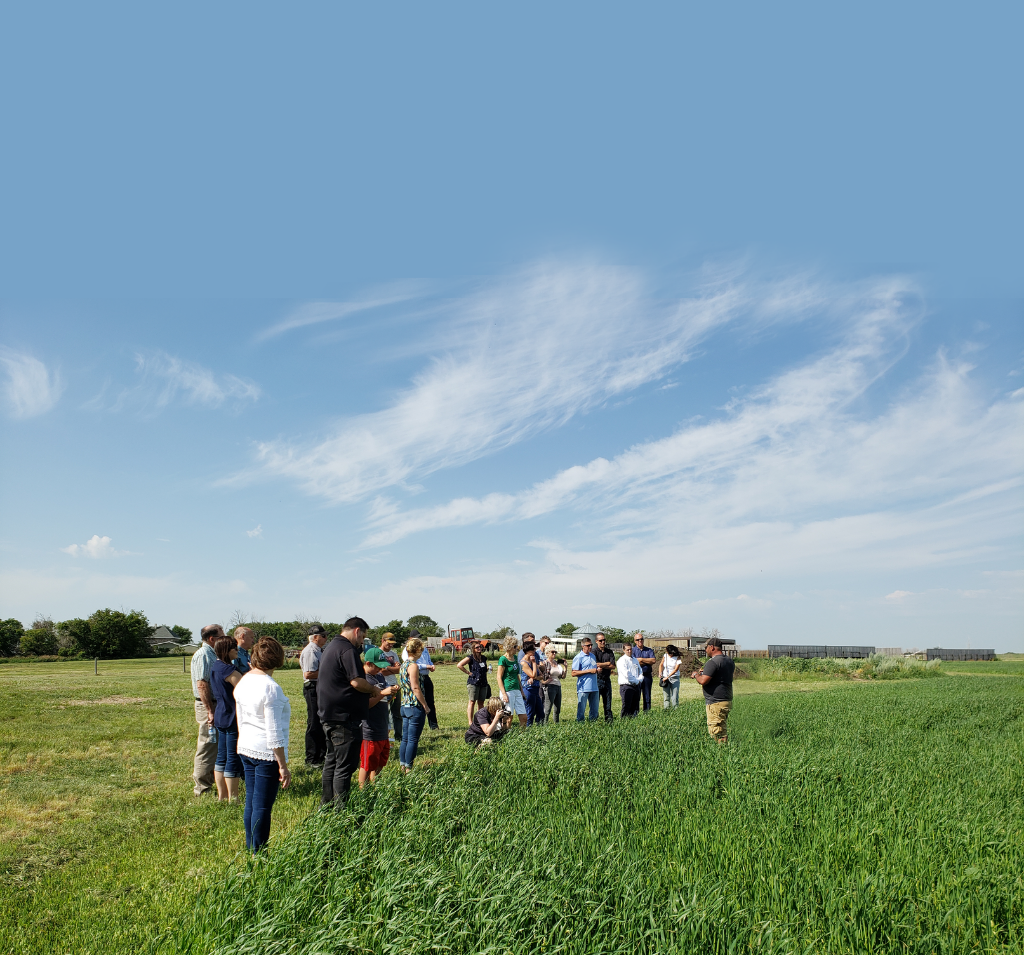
x=857 y=819
x=876 y=667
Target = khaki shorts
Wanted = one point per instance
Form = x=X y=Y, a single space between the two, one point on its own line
x=718 y=713
x=477 y=692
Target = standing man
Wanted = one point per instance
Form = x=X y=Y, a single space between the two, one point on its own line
x=584 y=668
x=343 y=695
x=206 y=743
x=605 y=657
x=426 y=667
x=630 y=676
x=386 y=662
x=244 y=640
x=642 y=654
x=716 y=680
x=309 y=662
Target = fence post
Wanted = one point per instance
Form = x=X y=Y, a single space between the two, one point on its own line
x=183 y=662
x=96 y=666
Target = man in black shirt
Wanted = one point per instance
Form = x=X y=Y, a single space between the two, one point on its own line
x=716 y=681
x=343 y=699
x=605 y=657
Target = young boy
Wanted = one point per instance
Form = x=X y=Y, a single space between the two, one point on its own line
x=376 y=749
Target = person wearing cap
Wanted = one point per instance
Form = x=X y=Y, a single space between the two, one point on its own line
x=716 y=681
x=309 y=663
x=630 y=675
x=645 y=656
x=205 y=706
x=385 y=664
x=376 y=747
x=244 y=640
x=584 y=668
x=605 y=657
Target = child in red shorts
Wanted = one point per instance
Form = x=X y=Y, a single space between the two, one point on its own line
x=376 y=749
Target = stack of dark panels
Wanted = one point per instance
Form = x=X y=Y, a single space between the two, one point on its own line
x=939 y=654
x=811 y=652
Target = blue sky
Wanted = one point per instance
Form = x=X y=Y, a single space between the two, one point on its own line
x=645 y=316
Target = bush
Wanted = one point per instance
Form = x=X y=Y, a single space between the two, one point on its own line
x=39 y=642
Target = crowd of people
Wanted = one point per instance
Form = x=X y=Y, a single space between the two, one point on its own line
x=360 y=698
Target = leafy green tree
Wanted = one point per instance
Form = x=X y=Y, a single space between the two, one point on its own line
x=566 y=629
x=38 y=642
x=10 y=636
x=399 y=629
x=114 y=633
x=73 y=636
x=614 y=634
x=426 y=625
x=181 y=634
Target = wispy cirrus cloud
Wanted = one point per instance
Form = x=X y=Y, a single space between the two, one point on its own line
x=519 y=357
x=315 y=313
x=30 y=388
x=165 y=379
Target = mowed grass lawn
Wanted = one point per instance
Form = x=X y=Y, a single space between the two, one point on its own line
x=102 y=843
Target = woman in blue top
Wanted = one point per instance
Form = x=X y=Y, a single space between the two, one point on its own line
x=223 y=677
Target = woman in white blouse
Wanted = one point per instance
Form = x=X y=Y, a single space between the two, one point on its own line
x=669 y=676
x=263 y=714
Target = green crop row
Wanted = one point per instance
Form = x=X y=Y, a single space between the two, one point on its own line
x=859 y=819
x=876 y=667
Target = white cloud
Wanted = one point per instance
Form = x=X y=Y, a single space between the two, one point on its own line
x=30 y=389
x=314 y=313
x=166 y=378
x=95 y=547
x=520 y=357
x=257 y=531
x=898 y=595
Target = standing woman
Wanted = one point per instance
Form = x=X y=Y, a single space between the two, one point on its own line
x=224 y=676
x=415 y=708
x=426 y=667
x=509 y=687
x=475 y=668
x=551 y=685
x=263 y=713
x=669 y=676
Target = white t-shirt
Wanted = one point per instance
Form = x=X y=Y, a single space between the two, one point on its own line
x=670 y=667
x=630 y=673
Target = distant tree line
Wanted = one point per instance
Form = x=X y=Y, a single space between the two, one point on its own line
x=107 y=634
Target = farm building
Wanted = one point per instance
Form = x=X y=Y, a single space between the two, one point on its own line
x=939 y=654
x=162 y=639
x=813 y=652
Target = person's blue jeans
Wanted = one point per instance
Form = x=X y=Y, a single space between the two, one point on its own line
x=413 y=720
x=262 y=779
x=228 y=761
x=534 y=703
x=584 y=698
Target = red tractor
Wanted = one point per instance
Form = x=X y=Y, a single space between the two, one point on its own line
x=459 y=640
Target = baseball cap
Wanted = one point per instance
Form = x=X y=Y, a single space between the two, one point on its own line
x=376 y=656
x=316 y=628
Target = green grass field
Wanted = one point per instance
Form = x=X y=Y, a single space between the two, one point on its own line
x=103 y=847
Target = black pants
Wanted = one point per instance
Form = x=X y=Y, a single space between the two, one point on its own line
x=630 y=696
x=396 y=716
x=645 y=690
x=344 y=741
x=427 y=685
x=605 y=689
x=316 y=742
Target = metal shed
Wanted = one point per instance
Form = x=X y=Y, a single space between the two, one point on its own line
x=818 y=652
x=939 y=654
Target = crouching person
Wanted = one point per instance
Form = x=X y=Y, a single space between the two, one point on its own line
x=489 y=723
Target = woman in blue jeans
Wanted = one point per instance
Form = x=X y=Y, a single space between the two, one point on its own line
x=263 y=714
x=415 y=708
x=223 y=677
